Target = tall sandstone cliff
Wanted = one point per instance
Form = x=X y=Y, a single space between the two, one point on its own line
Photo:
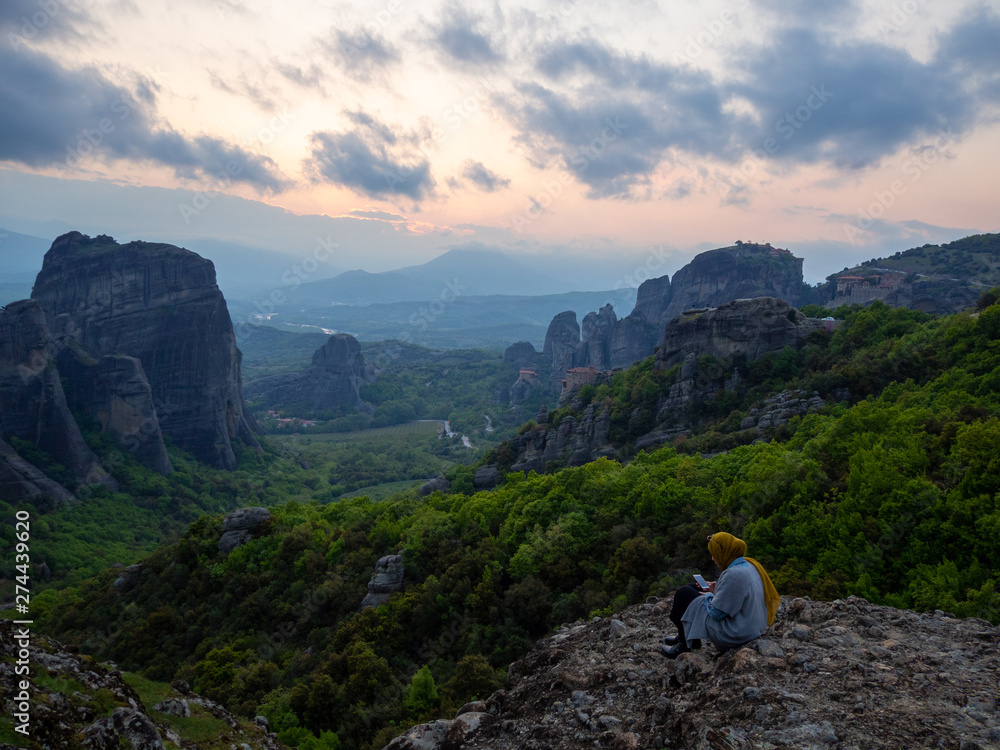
x=744 y=329
x=740 y=272
x=332 y=381
x=161 y=305
x=749 y=328
x=711 y=279
x=33 y=408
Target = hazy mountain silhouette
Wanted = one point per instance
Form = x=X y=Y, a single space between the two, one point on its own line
x=463 y=271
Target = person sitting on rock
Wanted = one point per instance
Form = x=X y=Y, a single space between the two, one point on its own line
x=736 y=609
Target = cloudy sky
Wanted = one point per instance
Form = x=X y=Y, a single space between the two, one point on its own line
x=841 y=130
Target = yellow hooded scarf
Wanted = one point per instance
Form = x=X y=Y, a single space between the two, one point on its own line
x=725 y=548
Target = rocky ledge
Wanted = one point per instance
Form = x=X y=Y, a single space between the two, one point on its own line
x=77 y=703
x=846 y=675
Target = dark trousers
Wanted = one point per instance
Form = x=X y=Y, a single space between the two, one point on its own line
x=684 y=596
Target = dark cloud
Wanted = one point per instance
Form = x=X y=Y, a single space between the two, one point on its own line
x=476 y=173
x=51 y=116
x=613 y=126
x=972 y=51
x=372 y=160
x=459 y=36
x=613 y=119
x=847 y=104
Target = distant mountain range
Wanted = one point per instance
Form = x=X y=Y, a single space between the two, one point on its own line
x=468 y=321
x=312 y=279
x=460 y=272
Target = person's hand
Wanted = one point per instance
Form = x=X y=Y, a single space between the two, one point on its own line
x=711 y=586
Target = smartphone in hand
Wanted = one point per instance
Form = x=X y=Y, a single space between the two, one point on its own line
x=702 y=584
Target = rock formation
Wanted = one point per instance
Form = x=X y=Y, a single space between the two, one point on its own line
x=240 y=526
x=596 y=338
x=160 y=304
x=749 y=328
x=780 y=408
x=71 y=709
x=486 y=478
x=742 y=329
x=746 y=329
x=572 y=442
x=632 y=340
x=438 y=484
x=387 y=580
x=652 y=300
x=712 y=278
x=519 y=355
x=33 y=404
x=114 y=392
x=20 y=480
x=844 y=674
x=562 y=340
x=129 y=578
x=331 y=383
x=739 y=272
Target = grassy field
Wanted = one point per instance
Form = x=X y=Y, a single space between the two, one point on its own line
x=385 y=490
x=201 y=727
x=376 y=434
x=377 y=462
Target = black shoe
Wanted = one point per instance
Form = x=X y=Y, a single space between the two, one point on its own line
x=674 y=651
x=673 y=640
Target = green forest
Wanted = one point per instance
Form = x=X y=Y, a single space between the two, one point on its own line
x=463 y=386
x=892 y=494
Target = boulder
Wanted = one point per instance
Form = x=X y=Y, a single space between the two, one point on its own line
x=246 y=518
x=101 y=735
x=438 y=484
x=240 y=526
x=464 y=726
x=137 y=728
x=429 y=736
x=174 y=707
x=386 y=580
x=129 y=578
x=486 y=478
